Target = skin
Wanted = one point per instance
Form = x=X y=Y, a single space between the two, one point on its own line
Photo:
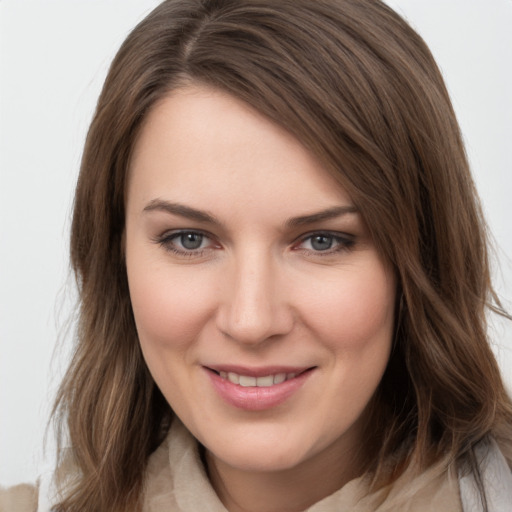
x=259 y=291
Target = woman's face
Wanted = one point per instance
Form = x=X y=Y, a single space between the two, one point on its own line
x=263 y=310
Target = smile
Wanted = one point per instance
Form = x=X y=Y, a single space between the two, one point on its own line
x=257 y=390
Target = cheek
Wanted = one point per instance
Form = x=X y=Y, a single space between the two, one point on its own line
x=171 y=307
x=354 y=311
x=354 y=320
x=170 y=304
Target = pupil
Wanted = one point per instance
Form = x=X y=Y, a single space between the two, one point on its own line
x=321 y=243
x=191 y=240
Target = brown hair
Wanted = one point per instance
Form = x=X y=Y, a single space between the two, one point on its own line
x=359 y=88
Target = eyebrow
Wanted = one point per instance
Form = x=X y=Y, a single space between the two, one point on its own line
x=181 y=210
x=330 y=213
x=203 y=216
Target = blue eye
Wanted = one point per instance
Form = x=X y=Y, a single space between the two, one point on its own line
x=327 y=243
x=322 y=242
x=185 y=243
x=191 y=241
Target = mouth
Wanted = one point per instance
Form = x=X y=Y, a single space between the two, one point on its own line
x=258 y=389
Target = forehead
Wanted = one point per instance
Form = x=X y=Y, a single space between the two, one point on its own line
x=200 y=144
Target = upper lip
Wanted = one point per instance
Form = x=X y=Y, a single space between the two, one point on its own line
x=260 y=371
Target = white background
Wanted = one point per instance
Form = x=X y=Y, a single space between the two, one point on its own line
x=54 y=55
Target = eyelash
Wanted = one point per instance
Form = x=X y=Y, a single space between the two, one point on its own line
x=343 y=242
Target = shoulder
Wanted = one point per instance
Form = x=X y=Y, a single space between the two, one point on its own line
x=39 y=497
x=20 y=498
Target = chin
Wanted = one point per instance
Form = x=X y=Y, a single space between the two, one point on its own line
x=261 y=459
x=264 y=449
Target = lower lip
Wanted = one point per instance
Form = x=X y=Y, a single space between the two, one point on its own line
x=255 y=398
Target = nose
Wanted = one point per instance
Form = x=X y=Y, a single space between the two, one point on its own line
x=254 y=307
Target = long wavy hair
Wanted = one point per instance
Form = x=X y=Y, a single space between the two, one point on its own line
x=359 y=88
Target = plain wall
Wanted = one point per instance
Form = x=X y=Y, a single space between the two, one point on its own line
x=54 y=55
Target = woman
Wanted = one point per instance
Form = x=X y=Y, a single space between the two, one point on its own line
x=283 y=274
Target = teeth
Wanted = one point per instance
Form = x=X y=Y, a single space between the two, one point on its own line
x=280 y=377
x=234 y=378
x=246 y=381
x=265 y=382
x=261 y=382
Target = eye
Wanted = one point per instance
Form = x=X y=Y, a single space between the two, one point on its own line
x=321 y=242
x=327 y=243
x=186 y=243
x=190 y=241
